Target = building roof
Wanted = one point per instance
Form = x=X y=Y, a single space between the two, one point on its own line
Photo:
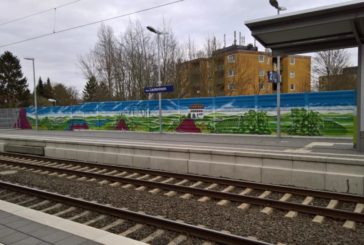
x=329 y=27
x=187 y=62
x=197 y=106
x=352 y=70
x=234 y=48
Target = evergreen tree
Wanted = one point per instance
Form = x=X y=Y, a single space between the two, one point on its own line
x=102 y=92
x=40 y=88
x=14 y=90
x=48 y=90
x=90 y=90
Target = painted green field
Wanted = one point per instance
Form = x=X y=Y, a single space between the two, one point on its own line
x=330 y=124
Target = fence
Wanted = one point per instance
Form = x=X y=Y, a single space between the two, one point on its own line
x=9 y=118
x=321 y=113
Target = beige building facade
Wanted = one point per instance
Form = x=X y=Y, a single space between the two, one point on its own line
x=242 y=70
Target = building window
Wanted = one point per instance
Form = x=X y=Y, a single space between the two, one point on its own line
x=261 y=73
x=231 y=73
x=268 y=61
x=231 y=58
x=292 y=74
x=292 y=60
x=261 y=58
x=293 y=87
x=231 y=86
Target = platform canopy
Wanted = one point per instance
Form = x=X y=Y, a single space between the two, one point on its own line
x=330 y=27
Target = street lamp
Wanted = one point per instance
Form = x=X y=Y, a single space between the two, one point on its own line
x=159 y=83
x=35 y=95
x=53 y=101
x=275 y=4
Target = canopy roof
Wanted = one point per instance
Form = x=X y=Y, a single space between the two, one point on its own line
x=330 y=27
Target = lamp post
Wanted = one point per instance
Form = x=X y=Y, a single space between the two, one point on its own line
x=53 y=101
x=35 y=95
x=159 y=82
x=275 y=4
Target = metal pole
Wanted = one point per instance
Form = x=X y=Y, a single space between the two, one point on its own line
x=279 y=97
x=279 y=94
x=35 y=98
x=360 y=101
x=159 y=84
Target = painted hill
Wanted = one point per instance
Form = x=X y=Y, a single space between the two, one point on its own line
x=77 y=124
x=121 y=125
x=188 y=125
x=22 y=121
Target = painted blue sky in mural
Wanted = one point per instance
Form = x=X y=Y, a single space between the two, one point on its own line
x=343 y=99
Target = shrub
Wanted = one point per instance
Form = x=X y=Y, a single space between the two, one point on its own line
x=305 y=122
x=254 y=122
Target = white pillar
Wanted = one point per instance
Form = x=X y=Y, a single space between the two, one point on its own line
x=360 y=100
x=279 y=97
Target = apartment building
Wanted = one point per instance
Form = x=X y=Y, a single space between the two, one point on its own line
x=344 y=81
x=242 y=70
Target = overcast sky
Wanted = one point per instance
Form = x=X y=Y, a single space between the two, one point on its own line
x=57 y=55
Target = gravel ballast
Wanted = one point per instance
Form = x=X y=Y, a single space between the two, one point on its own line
x=270 y=228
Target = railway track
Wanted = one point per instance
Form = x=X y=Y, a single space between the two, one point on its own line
x=91 y=212
x=222 y=191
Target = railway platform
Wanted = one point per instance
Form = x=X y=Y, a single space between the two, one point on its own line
x=24 y=226
x=309 y=162
x=310 y=146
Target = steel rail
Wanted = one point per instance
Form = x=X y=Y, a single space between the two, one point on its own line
x=184 y=228
x=222 y=181
x=288 y=206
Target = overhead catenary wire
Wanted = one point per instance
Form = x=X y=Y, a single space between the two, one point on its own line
x=89 y=24
x=37 y=13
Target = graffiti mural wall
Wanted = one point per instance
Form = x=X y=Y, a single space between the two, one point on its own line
x=324 y=113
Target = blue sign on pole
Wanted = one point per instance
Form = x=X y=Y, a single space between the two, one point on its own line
x=273 y=77
x=159 y=89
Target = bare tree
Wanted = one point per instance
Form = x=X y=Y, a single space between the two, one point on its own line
x=190 y=51
x=139 y=56
x=119 y=73
x=171 y=54
x=210 y=46
x=88 y=65
x=328 y=65
x=101 y=60
x=128 y=64
x=105 y=50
